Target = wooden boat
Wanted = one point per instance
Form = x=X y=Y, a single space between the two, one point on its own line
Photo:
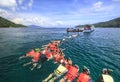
x=88 y=29
x=74 y=30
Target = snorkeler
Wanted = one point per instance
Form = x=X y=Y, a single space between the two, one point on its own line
x=56 y=74
x=28 y=54
x=71 y=74
x=105 y=77
x=84 y=76
x=35 y=59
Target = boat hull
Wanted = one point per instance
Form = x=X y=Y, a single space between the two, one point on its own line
x=87 y=31
x=74 y=30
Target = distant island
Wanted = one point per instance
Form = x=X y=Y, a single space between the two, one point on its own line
x=35 y=26
x=111 y=23
x=4 y=23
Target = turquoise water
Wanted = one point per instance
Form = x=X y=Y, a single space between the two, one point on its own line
x=97 y=50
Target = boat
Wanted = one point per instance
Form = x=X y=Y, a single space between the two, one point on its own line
x=74 y=30
x=88 y=28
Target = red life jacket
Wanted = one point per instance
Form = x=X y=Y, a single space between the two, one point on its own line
x=36 y=56
x=67 y=66
x=49 y=55
x=52 y=47
x=56 y=52
x=30 y=53
x=57 y=57
x=83 y=77
x=72 y=73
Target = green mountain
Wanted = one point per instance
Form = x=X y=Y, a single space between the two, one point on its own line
x=111 y=23
x=6 y=23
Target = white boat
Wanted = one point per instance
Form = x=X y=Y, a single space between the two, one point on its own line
x=88 y=28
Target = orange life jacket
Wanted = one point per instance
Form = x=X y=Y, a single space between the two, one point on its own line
x=49 y=55
x=36 y=56
x=67 y=66
x=83 y=77
x=72 y=73
x=57 y=56
x=57 y=51
x=52 y=47
x=30 y=53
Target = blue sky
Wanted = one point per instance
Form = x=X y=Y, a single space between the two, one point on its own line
x=59 y=13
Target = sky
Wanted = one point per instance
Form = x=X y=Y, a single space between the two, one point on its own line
x=59 y=13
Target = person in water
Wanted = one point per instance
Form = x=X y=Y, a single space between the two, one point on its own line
x=71 y=74
x=67 y=63
x=59 y=58
x=56 y=74
x=51 y=51
x=28 y=54
x=105 y=77
x=46 y=54
x=35 y=59
x=56 y=43
x=52 y=46
x=61 y=69
x=84 y=75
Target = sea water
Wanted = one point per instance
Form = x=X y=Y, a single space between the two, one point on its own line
x=97 y=50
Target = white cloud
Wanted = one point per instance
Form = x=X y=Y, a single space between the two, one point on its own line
x=17 y=20
x=27 y=5
x=24 y=7
x=30 y=3
x=10 y=4
x=2 y=11
x=59 y=22
x=97 y=6
x=30 y=19
x=6 y=14
x=91 y=14
x=13 y=5
x=105 y=9
x=20 y=2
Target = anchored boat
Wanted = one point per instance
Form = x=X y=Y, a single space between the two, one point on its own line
x=88 y=28
x=74 y=30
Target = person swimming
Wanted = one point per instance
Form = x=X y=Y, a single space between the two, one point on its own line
x=28 y=54
x=84 y=76
x=105 y=76
x=71 y=74
x=35 y=58
x=61 y=70
x=56 y=74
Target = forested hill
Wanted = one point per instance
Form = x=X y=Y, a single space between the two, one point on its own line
x=110 y=23
x=4 y=23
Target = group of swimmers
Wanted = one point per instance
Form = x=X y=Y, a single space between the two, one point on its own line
x=66 y=68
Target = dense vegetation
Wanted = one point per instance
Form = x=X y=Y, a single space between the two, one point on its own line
x=6 y=23
x=110 y=23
